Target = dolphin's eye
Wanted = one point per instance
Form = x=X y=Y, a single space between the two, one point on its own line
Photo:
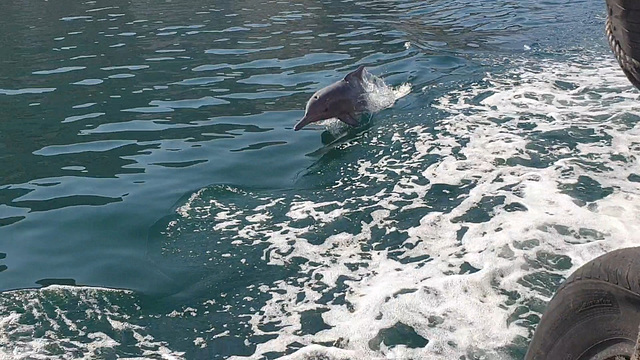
x=326 y=109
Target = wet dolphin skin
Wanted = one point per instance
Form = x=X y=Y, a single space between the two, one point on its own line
x=343 y=100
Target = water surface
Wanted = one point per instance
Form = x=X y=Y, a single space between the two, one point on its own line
x=155 y=201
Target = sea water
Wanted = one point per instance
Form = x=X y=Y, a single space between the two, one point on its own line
x=155 y=202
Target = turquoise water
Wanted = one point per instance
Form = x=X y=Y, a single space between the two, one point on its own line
x=155 y=201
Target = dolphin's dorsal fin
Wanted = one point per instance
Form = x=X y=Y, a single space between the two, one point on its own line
x=357 y=74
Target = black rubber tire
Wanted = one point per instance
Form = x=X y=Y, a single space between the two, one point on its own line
x=623 y=32
x=595 y=313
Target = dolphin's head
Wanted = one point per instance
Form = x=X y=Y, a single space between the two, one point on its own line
x=333 y=101
x=319 y=107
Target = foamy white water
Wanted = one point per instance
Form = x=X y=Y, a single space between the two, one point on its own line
x=63 y=322
x=473 y=280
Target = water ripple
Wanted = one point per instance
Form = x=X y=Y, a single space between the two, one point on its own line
x=240 y=51
x=59 y=70
x=200 y=81
x=89 y=82
x=82 y=117
x=93 y=146
x=189 y=103
x=125 y=67
x=71 y=18
x=26 y=91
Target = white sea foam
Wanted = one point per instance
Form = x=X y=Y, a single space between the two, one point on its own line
x=531 y=147
x=62 y=322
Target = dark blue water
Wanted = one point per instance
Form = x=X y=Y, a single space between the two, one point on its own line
x=155 y=201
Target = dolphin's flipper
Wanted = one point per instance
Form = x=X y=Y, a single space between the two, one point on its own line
x=357 y=74
x=348 y=119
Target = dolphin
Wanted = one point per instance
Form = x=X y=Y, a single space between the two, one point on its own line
x=343 y=100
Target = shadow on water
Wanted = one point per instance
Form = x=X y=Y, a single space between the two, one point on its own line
x=338 y=134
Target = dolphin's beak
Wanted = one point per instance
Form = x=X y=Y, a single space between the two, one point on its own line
x=306 y=120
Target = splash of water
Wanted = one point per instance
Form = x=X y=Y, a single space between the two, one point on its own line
x=381 y=96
